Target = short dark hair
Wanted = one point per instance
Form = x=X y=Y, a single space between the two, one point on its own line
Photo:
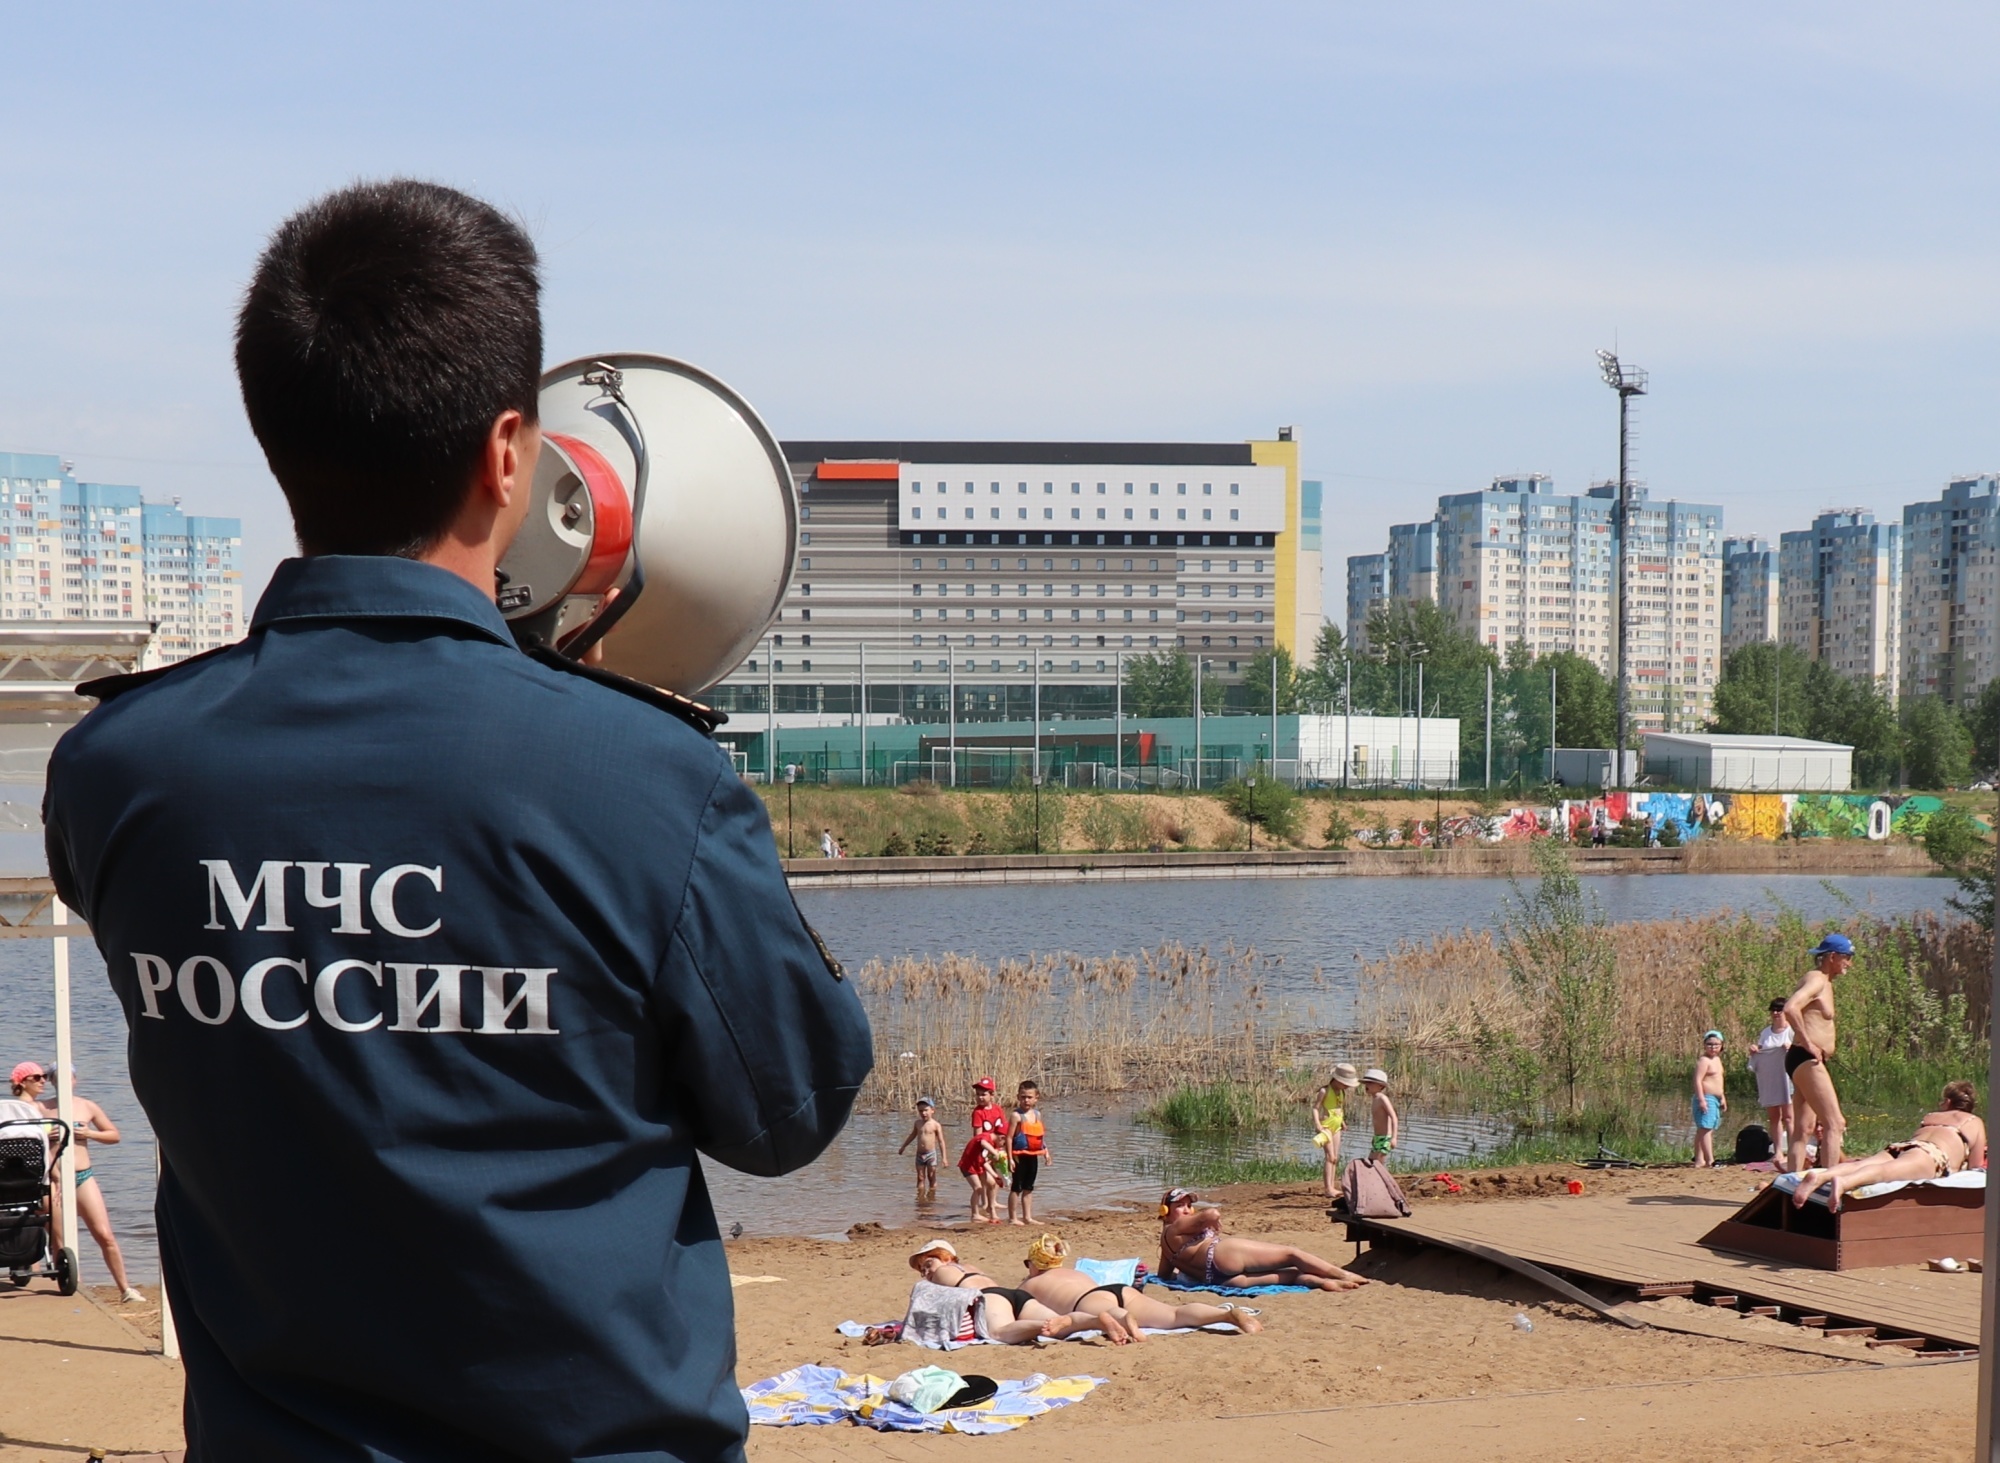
x=1777 y=1003
x=1027 y=1087
x=386 y=328
x=1959 y=1096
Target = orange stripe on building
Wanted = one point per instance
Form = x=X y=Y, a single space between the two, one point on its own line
x=870 y=472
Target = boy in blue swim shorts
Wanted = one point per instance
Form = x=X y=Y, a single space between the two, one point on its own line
x=1709 y=1101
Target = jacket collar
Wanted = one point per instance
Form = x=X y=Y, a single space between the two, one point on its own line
x=371 y=587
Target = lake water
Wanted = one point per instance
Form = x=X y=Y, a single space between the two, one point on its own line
x=1318 y=926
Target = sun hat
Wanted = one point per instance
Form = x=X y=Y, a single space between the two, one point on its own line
x=1375 y=1074
x=24 y=1070
x=1833 y=945
x=1343 y=1075
x=984 y=1084
x=934 y=1247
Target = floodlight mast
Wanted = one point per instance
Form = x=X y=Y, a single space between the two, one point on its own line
x=1628 y=382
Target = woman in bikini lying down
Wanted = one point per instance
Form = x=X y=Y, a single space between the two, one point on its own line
x=1947 y=1141
x=1013 y=1314
x=1193 y=1246
x=1052 y=1280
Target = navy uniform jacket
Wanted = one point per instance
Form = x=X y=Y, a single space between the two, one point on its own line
x=440 y=965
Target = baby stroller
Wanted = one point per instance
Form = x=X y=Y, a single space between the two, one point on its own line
x=25 y=1156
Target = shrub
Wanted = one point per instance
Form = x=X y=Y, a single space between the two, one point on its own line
x=1271 y=805
x=895 y=845
x=1339 y=832
x=1224 y=1106
x=1563 y=963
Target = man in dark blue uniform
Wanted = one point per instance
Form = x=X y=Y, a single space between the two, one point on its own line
x=484 y=949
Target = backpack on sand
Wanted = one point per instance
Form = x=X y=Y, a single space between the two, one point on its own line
x=1371 y=1191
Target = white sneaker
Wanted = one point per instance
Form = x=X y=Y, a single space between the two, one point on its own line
x=132 y=1293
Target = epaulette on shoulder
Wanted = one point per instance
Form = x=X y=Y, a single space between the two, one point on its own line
x=109 y=688
x=704 y=719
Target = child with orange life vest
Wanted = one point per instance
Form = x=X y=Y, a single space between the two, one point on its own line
x=987 y=1150
x=1030 y=1148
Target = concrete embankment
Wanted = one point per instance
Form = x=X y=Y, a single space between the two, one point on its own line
x=1816 y=856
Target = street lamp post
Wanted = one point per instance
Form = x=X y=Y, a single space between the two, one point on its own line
x=791 y=828
x=1038 y=812
x=1628 y=382
x=1250 y=819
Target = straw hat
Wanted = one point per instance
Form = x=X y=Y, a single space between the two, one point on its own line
x=1375 y=1074
x=1343 y=1076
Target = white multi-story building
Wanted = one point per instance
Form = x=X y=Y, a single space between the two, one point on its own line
x=1950 y=597
x=1003 y=567
x=1749 y=592
x=1840 y=593
x=1522 y=563
x=96 y=551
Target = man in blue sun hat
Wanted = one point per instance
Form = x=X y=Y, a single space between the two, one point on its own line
x=1810 y=1011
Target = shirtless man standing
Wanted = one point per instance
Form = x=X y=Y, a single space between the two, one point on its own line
x=1810 y=1011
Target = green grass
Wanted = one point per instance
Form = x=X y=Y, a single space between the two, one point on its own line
x=1220 y=1107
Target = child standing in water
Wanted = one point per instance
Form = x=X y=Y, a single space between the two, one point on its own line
x=1709 y=1102
x=928 y=1134
x=1030 y=1149
x=1382 y=1110
x=1329 y=1117
x=988 y=1144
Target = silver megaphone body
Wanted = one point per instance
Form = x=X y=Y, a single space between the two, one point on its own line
x=663 y=523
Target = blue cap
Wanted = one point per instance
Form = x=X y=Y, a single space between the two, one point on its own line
x=925 y=1102
x=1833 y=945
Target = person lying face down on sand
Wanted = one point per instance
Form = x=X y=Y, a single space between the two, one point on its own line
x=1013 y=1315
x=1193 y=1245
x=1052 y=1280
x=1946 y=1142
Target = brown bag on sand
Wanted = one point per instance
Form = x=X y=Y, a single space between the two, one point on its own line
x=1371 y=1191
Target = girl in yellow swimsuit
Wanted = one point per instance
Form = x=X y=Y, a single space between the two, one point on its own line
x=1329 y=1117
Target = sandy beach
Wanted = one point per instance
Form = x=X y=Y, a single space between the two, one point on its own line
x=1426 y=1362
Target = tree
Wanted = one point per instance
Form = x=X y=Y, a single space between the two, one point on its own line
x=1322 y=684
x=1562 y=961
x=1957 y=845
x=1983 y=719
x=1744 y=691
x=1162 y=684
x=1257 y=681
x=1937 y=748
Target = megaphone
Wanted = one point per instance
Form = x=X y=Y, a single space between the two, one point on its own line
x=662 y=523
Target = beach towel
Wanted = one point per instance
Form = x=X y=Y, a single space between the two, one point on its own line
x=1972 y=1178
x=1231 y=1291
x=1111 y=1272
x=854 y=1330
x=943 y=1316
x=809 y=1396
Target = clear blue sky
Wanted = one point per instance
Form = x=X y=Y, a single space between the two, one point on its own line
x=1403 y=230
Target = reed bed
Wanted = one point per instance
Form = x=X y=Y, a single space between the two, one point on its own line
x=1919 y=989
x=1148 y=1022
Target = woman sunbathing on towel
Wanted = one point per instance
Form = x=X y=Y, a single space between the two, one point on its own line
x=1947 y=1141
x=1014 y=1316
x=1061 y=1286
x=1193 y=1245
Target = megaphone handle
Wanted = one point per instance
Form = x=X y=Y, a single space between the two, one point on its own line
x=610 y=381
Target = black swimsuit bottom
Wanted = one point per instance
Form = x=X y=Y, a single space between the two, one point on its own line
x=1018 y=1299
x=1795 y=1058
x=1116 y=1292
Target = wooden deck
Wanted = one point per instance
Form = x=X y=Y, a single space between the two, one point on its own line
x=1649 y=1244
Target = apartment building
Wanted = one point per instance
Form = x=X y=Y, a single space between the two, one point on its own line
x=1007 y=571
x=1840 y=592
x=1368 y=579
x=1949 y=592
x=1749 y=592
x=1519 y=562
x=97 y=551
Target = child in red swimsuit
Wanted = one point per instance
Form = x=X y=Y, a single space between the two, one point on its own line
x=989 y=1141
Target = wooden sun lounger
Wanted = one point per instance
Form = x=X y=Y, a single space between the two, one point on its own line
x=1906 y=1227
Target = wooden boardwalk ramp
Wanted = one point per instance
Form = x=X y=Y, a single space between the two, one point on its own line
x=1648 y=1245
